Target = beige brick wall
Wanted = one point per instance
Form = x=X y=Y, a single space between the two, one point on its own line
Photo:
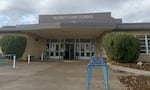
x=99 y=48
x=98 y=45
x=35 y=46
x=145 y=58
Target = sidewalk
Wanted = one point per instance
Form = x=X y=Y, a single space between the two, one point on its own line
x=54 y=76
x=114 y=83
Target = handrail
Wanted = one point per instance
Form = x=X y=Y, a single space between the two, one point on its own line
x=96 y=61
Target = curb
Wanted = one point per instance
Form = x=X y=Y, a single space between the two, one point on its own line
x=130 y=70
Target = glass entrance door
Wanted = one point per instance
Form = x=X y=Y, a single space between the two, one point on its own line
x=69 y=51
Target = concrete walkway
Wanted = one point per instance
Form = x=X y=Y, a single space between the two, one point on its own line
x=53 y=76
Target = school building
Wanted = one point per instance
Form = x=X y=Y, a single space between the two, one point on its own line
x=76 y=36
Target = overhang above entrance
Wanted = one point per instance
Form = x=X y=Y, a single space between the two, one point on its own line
x=67 y=33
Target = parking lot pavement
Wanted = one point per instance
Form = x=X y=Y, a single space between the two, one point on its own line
x=54 y=76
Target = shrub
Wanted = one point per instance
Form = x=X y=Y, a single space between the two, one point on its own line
x=121 y=47
x=13 y=44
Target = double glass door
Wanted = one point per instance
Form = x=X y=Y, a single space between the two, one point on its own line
x=70 y=49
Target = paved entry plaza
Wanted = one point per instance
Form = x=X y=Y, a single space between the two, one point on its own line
x=66 y=75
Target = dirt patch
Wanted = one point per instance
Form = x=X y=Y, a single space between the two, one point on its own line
x=130 y=81
x=136 y=82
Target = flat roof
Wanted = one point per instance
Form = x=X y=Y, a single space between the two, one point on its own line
x=102 y=21
x=132 y=26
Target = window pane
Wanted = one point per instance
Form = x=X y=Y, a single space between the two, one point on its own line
x=57 y=47
x=87 y=54
x=143 y=43
x=148 y=41
x=61 y=54
x=57 y=54
x=52 y=54
x=82 y=54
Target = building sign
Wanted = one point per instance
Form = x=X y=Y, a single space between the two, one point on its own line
x=73 y=17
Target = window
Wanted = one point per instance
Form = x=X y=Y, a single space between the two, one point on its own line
x=148 y=43
x=145 y=43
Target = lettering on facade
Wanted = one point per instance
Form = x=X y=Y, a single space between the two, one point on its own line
x=72 y=17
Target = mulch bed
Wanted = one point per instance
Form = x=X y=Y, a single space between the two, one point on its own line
x=134 y=82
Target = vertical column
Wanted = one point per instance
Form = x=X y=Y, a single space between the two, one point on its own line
x=79 y=48
x=42 y=57
x=85 y=49
x=28 y=58
x=59 y=49
x=69 y=50
x=98 y=44
x=95 y=45
x=146 y=43
x=49 y=49
x=90 y=47
x=53 y=49
x=64 y=49
x=14 y=61
x=74 y=49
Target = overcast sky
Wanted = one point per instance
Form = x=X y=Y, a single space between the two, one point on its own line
x=14 y=12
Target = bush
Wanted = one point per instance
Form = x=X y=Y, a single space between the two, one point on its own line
x=13 y=44
x=121 y=47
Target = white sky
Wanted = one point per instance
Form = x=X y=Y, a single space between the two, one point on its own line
x=14 y=12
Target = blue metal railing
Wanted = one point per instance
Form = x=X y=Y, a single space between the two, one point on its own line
x=96 y=61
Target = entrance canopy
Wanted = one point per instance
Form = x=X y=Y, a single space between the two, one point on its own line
x=67 y=33
x=72 y=25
